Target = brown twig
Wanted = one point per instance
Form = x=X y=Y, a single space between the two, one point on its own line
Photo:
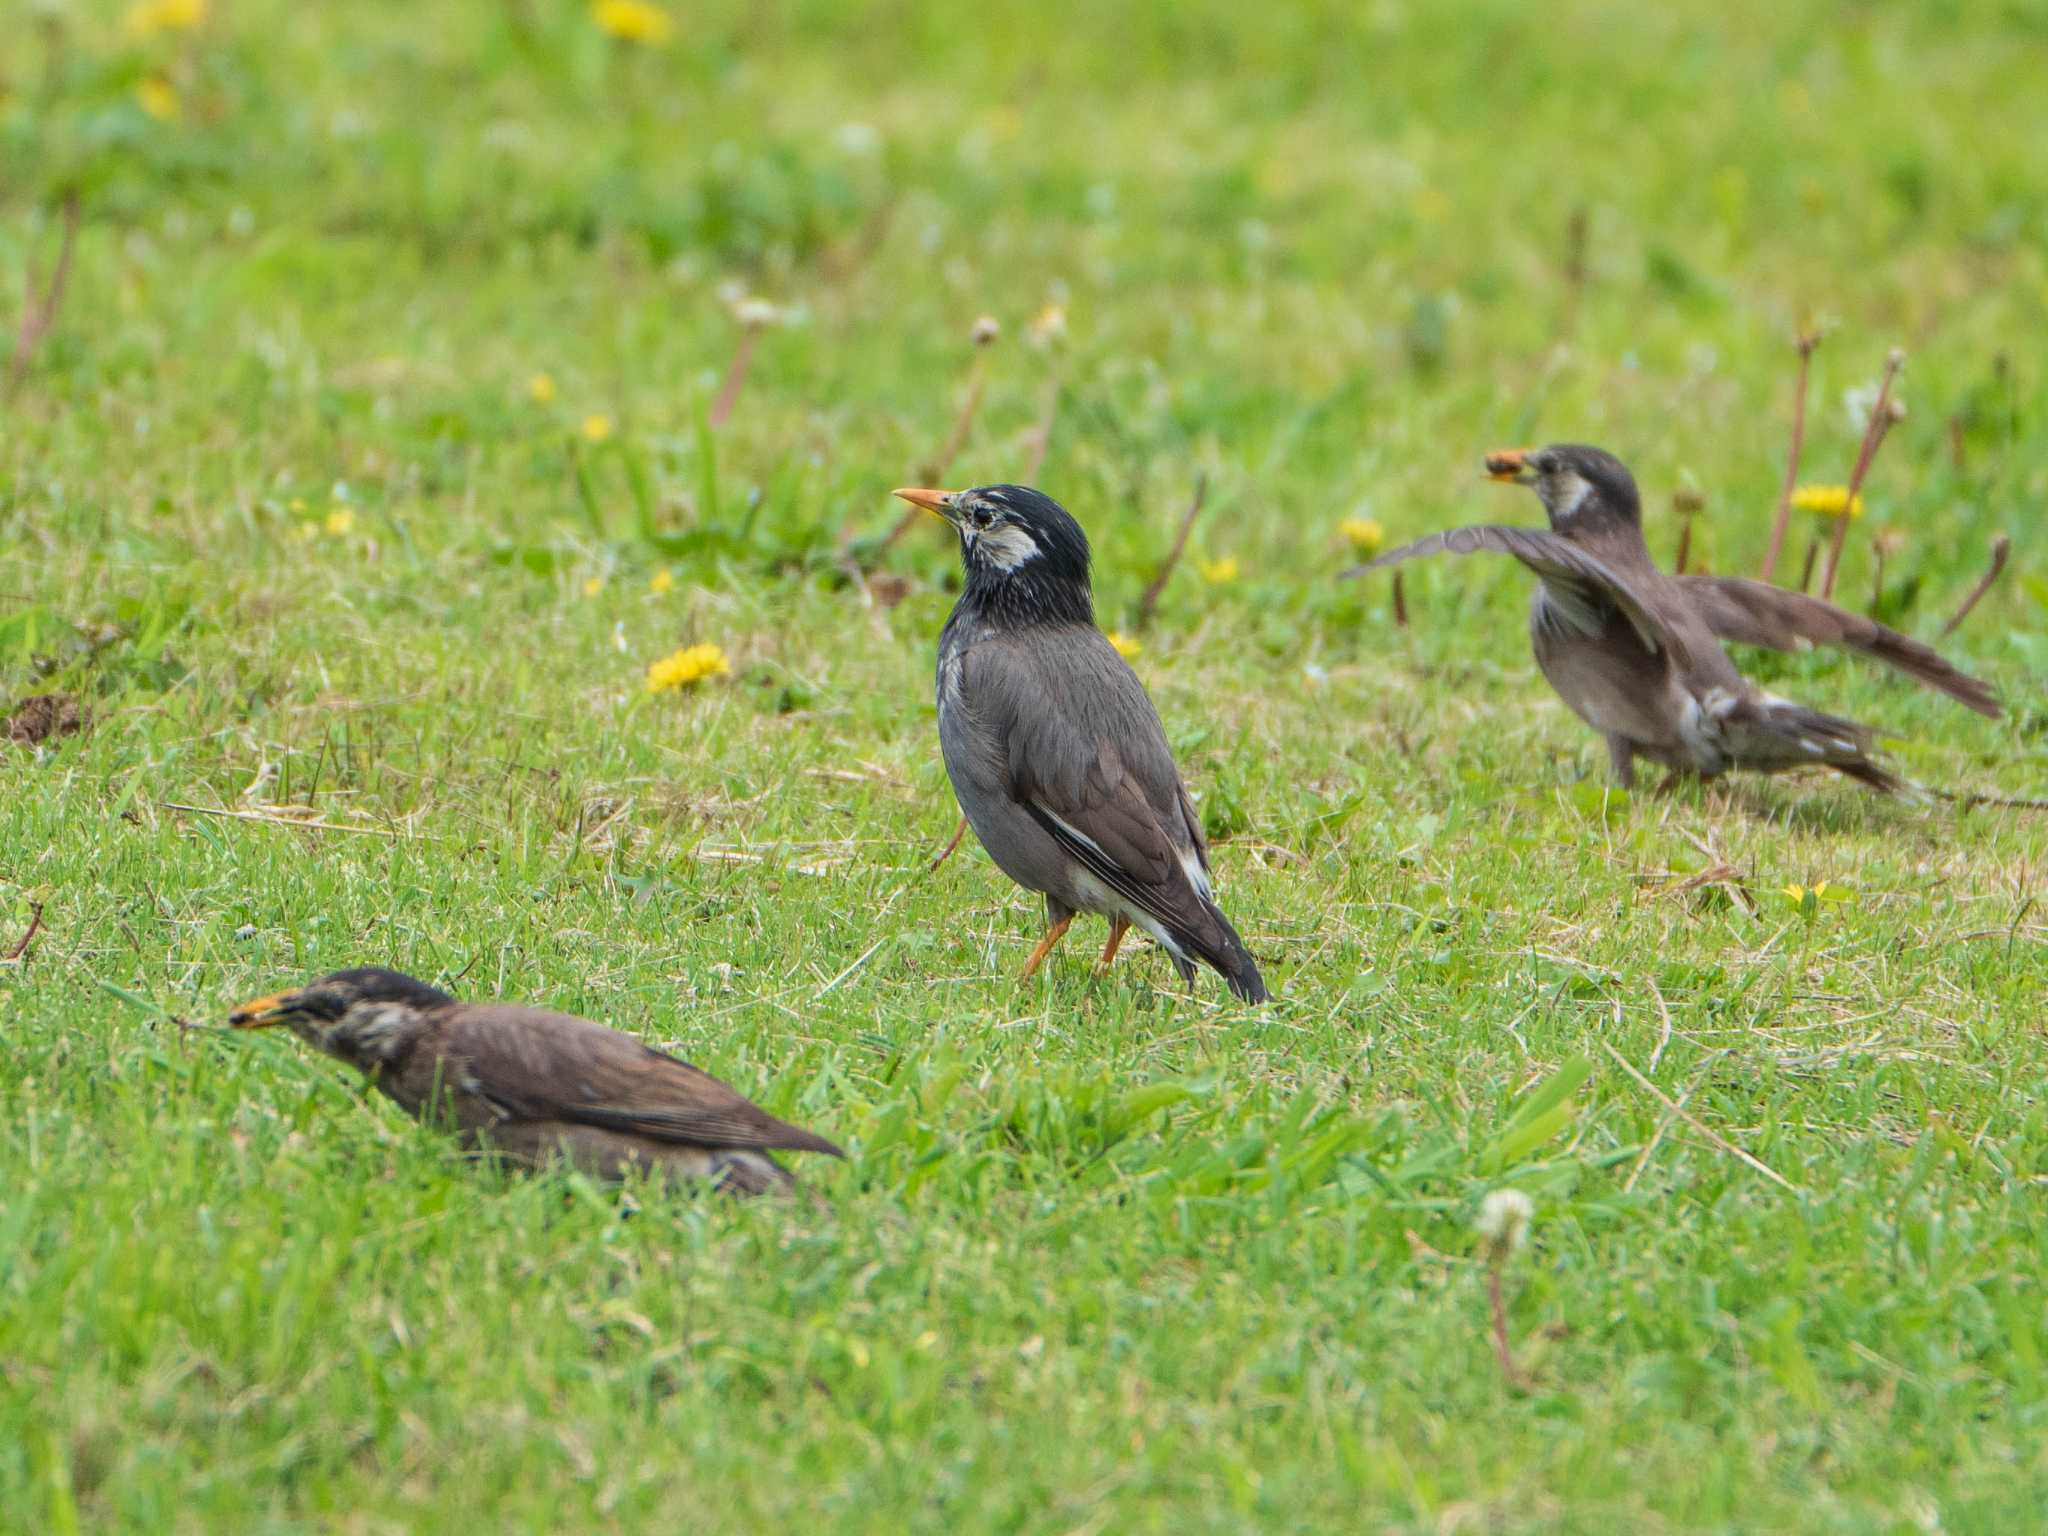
x=1881 y=418
x=1807 y=341
x=39 y=314
x=19 y=954
x=1956 y=440
x=2001 y=547
x=1400 y=603
x=1501 y=1351
x=1150 y=598
x=735 y=376
x=1806 y=570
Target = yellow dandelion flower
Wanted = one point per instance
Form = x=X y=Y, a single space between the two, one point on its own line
x=1218 y=572
x=633 y=21
x=542 y=387
x=692 y=664
x=1827 y=500
x=596 y=428
x=663 y=580
x=340 y=521
x=149 y=17
x=1364 y=534
x=158 y=97
x=592 y=585
x=1796 y=894
x=1123 y=645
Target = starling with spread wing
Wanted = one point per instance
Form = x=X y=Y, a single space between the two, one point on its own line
x=1637 y=654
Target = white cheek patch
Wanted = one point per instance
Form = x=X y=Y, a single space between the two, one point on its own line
x=1006 y=546
x=1571 y=492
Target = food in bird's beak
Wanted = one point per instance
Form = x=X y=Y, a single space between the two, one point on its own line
x=260 y=1011
x=939 y=503
x=1509 y=464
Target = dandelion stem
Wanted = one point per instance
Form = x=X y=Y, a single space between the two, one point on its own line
x=1807 y=342
x=1041 y=435
x=1873 y=434
x=2000 y=548
x=39 y=314
x=977 y=377
x=977 y=380
x=20 y=950
x=1574 y=268
x=735 y=376
x=1400 y=603
x=1150 y=599
x=1806 y=570
x=958 y=833
x=1501 y=1350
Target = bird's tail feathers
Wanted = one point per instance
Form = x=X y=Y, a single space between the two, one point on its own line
x=1220 y=948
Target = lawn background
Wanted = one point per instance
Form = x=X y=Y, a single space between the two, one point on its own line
x=285 y=502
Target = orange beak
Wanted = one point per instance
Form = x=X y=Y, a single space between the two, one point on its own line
x=261 y=1011
x=934 y=502
x=1508 y=465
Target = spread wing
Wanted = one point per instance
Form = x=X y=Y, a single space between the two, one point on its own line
x=1083 y=752
x=1560 y=563
x=1753 y=613
x=538 y=1065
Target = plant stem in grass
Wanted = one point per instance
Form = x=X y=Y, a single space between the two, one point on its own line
x=1501 y=1349
x=1150 y=600
x=735 y=376
x=1400 y=603
x=2000 y=548
x=1807 y=342
x=985 y=333
x=1881 y=419
x=38 y=314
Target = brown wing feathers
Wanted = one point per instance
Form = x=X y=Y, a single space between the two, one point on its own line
x=1752 y=613
x=550 y=1066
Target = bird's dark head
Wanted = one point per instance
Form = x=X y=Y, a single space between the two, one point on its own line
x=1023 y=552
x=365 y=1016
x=1577 y=485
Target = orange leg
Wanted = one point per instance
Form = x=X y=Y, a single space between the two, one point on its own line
x=1053 y=935
x=1118 y=927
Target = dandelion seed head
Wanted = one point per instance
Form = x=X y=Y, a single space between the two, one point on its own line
x=1503 y=1220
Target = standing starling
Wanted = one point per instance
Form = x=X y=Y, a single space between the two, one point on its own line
x=533 y=1085
x=1637 y=654
x=1055 y=751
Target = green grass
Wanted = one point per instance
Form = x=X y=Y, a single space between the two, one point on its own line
x=1106 y=1256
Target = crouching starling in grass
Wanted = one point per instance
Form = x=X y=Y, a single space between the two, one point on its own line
x=535 y=1086
x=1054 y=749
x=1637 y=654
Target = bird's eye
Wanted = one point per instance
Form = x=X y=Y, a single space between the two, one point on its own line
x=979 y=515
